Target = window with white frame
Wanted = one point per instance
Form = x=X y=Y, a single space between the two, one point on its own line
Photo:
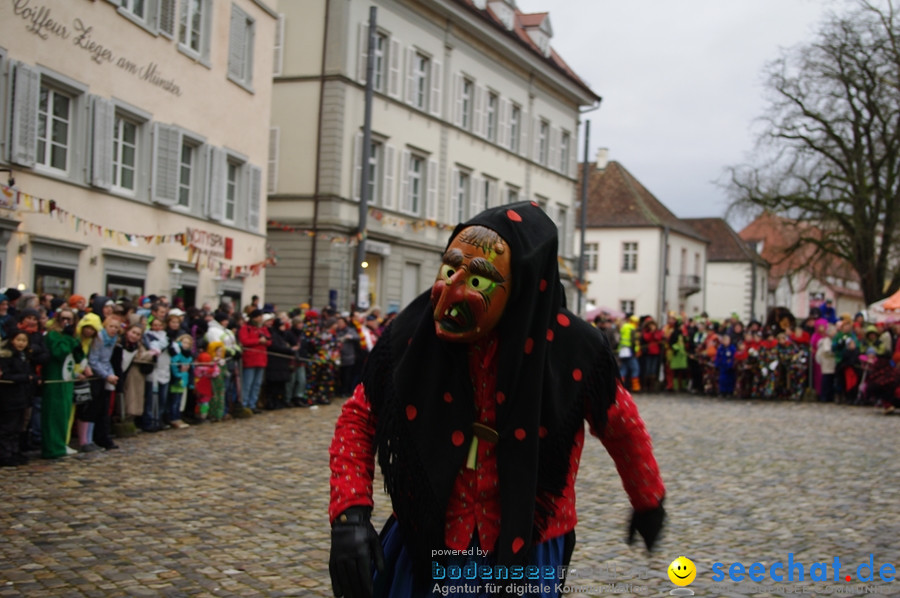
x=515 y=128
x=562 y=221
x=187 y=166
x=468 y=104
x=125 y=153
x=240 y=47
x=543 y=142
x=137 y=8
x=194 y=28
x=512 y=194
x=415 y=184
x=490 y=117
x=420 y=80
x=379 y=72
x=565 y=142
x=591 y=256
x=626 y=306
x=629 y=256
x=376 y=173
x=490 y=192
x=156 y=16
x=232 y=190
x=54 y=128
x=462 y=196
x=178 y=174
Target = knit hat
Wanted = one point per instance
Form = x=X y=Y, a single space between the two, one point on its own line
x=74 y=299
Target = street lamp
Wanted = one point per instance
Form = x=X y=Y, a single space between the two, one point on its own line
x=175 y=274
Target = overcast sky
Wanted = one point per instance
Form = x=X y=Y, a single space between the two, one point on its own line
x=681 y=82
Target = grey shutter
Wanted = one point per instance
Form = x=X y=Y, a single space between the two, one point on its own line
x=405 y=203
x=395 y=61
x=272 y=174
x=166 y=164
x=102 y=143
x=503 y=123
x=453 y=204
x=476 y=191
x=237 y=43
x=218 y=173
x=166 y=17
x=410 y=76
x=431 y=211
x=389 y=198
x=478 y=123
x=363 y=52
x=254 y=196
x=26 y=95
x=436 y=84
x=278 y=54
x=523 y=133
x=458 y=93
x=356 y=190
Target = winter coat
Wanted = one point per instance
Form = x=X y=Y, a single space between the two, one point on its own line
x=16 y=368
x=278 y=369
x=255 y=351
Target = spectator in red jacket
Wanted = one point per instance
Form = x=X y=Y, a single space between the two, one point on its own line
x=255 y=339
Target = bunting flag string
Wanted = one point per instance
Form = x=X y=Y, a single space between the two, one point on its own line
x=205 y=259
x=13 y=199
x=581 y=285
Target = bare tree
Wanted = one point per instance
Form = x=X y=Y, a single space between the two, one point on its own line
x=828 y=157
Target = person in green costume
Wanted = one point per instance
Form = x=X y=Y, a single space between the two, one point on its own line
x=65 y=351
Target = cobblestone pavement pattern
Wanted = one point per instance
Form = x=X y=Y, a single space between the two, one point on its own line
x=239 y=508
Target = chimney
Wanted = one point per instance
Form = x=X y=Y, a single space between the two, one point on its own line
x=602 y=158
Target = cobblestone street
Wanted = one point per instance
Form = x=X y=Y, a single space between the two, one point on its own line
x=239 y=508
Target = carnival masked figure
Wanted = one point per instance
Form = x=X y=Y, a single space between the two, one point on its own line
x=474 y=400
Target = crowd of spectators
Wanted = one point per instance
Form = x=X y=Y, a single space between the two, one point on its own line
x=78 y=373
x=826 y=357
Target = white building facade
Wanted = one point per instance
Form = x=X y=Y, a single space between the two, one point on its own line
x=471 y=110
x=135 y=139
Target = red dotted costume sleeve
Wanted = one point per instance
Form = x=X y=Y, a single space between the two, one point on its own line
x=628 y=443
x=352 y=455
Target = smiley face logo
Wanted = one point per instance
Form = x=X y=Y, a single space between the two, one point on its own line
x=682 y=571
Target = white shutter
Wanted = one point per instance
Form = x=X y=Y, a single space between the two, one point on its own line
x=254 y=197
x=453 y=204
x=431 y=211
x=26 y=95
x=536 y=142
x=503 y=123
x=388 y=199
x=363 y=52
x=272 y=173
x=166 y=163
x=458 y=95
x=476 y=196
x=553 y=157
x=410 y=76
x=479 y=128
x=237 y=42
x=278 y=54
x=573 y=154
x=218 y=183
x=405 y=203
x=436 y=84
x=494 y=194
x=356 y=189
x=395 y=62
x=523 y=134
x=102 y=143
x=165 y=17
x=570 y=230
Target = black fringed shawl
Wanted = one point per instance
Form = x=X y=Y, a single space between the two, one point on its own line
x=551 y=366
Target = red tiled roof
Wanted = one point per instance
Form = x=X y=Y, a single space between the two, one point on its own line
x=521 y=21
x=616 y=199
x=725 y=244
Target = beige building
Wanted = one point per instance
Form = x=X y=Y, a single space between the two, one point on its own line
x=472 y=108
x=136 y=132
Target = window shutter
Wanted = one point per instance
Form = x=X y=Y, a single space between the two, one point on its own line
x=102 y=143
x=166 y=163
x=453 y=216
x=431 y=211
x=410 y=76
x=478 y=124
x=278 y=55
x=363 y=52
x=553 y=156
x=272 y=173
x=26 y=95
x=405 y=203
x=494 y=194
x=436 y=85
x=254 y=196
x=476 y=196
x=166 y=17
x=523 y=134
x=458 y=93
x=388 y=197
x=356 y=190
x=573 y=155
x=237 y=40
x=394 y=74
x=503 y=123
x=536 y=142
x=570 y=231
x=218 y=173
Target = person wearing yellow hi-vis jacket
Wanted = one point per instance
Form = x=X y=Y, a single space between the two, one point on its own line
x=628 y=354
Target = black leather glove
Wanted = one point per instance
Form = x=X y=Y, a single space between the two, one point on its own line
x=354 y=547
x=648 y=524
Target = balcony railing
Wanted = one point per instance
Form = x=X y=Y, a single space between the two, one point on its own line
x=688 y=285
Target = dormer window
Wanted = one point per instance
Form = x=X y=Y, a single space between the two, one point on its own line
x=504 y=12
x=539 y=30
